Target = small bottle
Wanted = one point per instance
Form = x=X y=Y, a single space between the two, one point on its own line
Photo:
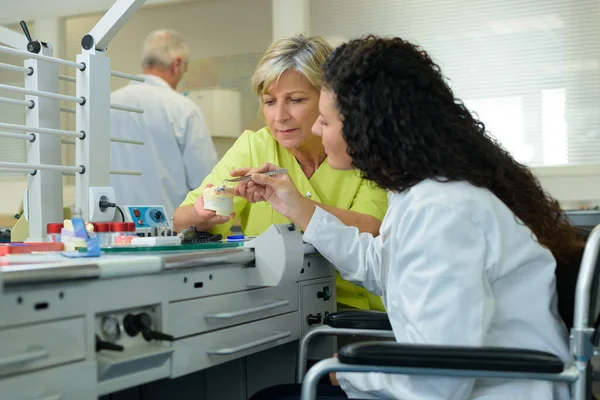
x=53 y=231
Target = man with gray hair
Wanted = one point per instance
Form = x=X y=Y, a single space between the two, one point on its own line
x=178 y=151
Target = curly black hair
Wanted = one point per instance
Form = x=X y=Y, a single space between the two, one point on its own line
x=403 y=124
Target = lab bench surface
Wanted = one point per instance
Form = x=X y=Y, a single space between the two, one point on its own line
x=66 y=319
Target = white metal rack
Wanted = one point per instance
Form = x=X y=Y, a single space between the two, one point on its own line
x=43 y=202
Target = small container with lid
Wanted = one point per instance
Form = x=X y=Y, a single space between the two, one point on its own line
x=103 y=232
x=53 y=231
x=131 y=229
x=118 y=230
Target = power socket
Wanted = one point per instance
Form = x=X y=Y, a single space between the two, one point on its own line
x=97 y=214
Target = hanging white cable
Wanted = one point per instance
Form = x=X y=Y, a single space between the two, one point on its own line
x=67 y=78
x=25 y=171
x=122 y=172
x=68 y=110
x=16 y=68
x=128 y=141
x=26 y=54
x=47 y=167
x=24 y=128
x=112 y=139
x=79 y=100
x=127 y=76
x=26 y=103
x=27 y=136
x=126 y=108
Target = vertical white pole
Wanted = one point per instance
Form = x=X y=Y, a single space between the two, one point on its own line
x=93 y=151
x=290 y=17
x=44 y=189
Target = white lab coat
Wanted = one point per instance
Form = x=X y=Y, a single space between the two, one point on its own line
x=454 y=267
x=178 y=151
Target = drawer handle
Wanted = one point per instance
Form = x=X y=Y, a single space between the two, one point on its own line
x=247 y=311
x=55 y=397
x=232 y=350
x=27 y=357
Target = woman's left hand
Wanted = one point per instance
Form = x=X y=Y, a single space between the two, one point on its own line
x=241 y=189
x=278 y=190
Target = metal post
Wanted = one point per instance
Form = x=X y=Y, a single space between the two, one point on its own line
x=44 y=189
x=94 y=150
x=93 y=83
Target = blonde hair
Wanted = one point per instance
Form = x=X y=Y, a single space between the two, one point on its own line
x=296 y=53
x=162 y=47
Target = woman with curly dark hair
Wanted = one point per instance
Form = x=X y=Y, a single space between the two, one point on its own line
x=465 y=251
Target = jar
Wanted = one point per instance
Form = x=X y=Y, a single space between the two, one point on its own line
x=103 y=232
x=53 y=231
x=119 y=234
x=131 y=229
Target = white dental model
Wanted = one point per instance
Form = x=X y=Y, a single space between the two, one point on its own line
x=219 y=199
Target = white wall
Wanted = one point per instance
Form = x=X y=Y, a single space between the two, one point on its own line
x=13 y=11
x=213 y=29
x=574 y=186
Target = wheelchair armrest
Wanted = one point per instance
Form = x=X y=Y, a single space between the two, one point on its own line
x=392 y=354
x=375 y=320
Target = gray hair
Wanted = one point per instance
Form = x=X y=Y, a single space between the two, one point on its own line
x=297 y=53
x=162 y=47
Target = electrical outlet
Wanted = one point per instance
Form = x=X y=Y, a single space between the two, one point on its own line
x=96 y=213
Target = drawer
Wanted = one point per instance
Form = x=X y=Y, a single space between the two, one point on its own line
x=70 y=382
x=209 y=349
x=42 y=345
x=191 y=317
x=132 y=367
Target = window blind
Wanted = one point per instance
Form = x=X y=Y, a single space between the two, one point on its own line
x=12 y=150
x=530 y=70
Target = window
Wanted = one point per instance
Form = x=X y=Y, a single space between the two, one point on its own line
x=529 y=70
x=12 y=150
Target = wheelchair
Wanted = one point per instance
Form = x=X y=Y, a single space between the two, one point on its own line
x=577 y=287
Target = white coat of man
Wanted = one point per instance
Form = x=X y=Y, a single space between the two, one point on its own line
x=178 y=151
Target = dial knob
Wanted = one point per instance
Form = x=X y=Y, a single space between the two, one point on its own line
x=325 y=294
x=111 y=330
x=157 y=215
x=137 y=323
x=142 y=322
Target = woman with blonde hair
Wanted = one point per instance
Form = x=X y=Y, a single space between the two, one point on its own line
x=288 y=81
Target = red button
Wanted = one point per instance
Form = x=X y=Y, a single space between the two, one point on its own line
x=136 y=212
